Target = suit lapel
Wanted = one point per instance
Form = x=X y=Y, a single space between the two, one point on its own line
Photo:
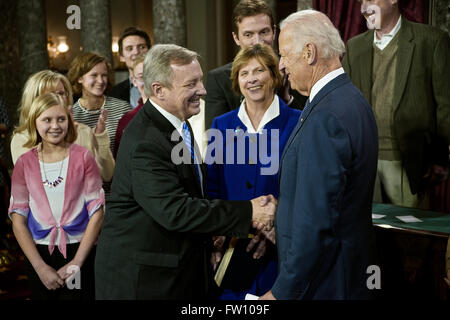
x=336 y=82
x=159 y=121
x=404 y=58
x=167 y=129
x=300 y=122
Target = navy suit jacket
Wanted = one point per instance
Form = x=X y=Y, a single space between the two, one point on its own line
x=323 y=224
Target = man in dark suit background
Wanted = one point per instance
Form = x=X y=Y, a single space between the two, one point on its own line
x=403 y=70
x=156 y=238
x=132 y=42
x=253 y=23
x=323 y=227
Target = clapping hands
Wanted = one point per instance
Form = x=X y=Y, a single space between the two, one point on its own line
x=101 y=123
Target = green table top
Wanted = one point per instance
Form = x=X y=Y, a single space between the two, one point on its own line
x=430 y=220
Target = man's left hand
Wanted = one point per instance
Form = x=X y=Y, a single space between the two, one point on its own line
x=217 y=253
x=436 y=174
x=267 y=296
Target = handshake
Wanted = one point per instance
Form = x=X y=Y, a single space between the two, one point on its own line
x=263 y=212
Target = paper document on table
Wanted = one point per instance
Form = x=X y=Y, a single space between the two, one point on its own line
x=378 y=216
x=408 y=219
x=250 y=296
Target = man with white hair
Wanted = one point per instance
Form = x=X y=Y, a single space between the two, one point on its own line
x=324 y=235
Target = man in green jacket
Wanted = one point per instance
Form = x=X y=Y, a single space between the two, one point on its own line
x=403 y=70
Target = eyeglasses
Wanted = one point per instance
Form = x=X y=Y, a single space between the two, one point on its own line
x=63 y=94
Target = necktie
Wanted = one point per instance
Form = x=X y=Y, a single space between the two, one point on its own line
x=188 y=141
x=306 y=105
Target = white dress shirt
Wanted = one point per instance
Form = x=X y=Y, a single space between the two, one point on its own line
x=271 y=113
x=386 y=38
x=323 y=82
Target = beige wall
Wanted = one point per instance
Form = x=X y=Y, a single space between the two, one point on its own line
x=123 y=14
x=56 y=26
x=208 y=27
x=209 y=31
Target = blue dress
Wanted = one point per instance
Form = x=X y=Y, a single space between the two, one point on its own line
x=252 y=172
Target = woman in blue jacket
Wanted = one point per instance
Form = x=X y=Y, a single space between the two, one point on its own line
x=243 y=156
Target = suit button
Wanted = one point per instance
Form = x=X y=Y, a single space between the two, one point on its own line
x=301 y=119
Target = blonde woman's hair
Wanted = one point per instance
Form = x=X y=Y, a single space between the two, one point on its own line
x=38 y=106
x=37 y=84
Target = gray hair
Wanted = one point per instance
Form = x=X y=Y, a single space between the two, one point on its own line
x=157 y=64
x=315 y=27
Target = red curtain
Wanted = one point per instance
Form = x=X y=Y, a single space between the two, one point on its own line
x=347 y=18
x=345 y=15
x=414 y=10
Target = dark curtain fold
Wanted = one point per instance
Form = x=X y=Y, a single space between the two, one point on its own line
x=345 y=15
x=414 y=10
x=347 y=18
x=440 y=197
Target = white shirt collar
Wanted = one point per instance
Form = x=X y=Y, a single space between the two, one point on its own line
x=323 y=82
x=386 y=38
x=271 y=113
x=177 y=123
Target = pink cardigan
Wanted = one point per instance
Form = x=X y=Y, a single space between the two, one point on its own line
x=83 y=195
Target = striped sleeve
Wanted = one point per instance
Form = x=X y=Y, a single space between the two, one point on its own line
x=116 y=109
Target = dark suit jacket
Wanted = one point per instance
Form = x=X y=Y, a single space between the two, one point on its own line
x=157 y=230
x=422 y=95
x=220 y=97
x=323 y=229
x=121 y=90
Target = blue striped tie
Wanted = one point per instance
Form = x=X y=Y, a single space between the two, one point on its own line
x=187 y=140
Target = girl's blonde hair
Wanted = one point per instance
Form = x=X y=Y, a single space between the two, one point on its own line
x=38 y=106
x=37 y=84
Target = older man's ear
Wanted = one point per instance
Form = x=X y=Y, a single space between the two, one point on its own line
x=158 y=90
x=310 y=53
